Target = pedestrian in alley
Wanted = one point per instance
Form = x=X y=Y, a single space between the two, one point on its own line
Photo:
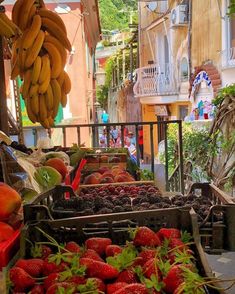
x=105 y=117
x=114 y=135
x=132 y=138
x=141 y=142
x=103 y=139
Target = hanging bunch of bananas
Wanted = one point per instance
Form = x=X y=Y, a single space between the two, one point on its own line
x=39 y=57
x=8 y=28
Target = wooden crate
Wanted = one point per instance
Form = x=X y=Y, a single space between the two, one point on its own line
x=117 y=184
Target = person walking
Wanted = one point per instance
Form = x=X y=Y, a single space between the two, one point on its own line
x=105 y=117
x=141 y=142
x=114 y=135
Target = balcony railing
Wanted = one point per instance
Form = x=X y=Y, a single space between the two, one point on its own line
x=155 y=80
x=228 y=57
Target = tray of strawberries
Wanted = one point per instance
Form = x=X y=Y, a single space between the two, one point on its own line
x=161 y=255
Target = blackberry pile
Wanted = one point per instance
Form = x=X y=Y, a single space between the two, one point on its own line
x=114 y=199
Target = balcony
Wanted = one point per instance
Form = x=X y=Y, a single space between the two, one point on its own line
x=155 y=80
x=228 y=58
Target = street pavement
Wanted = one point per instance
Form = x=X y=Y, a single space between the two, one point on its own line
x=223 y=267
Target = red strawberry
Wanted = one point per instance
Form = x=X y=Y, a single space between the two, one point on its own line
x=73 y=247
x=112 y=250
x=32 y=266
x=78 y=280
x=99 y=269
x=111 y=288
x=127 y=276
x=178 y=244
x=137 y=261
x=146 y=237
x=21 y=279
x=49 y=267
x=46 y=251
x=98 y=244
x=133 y=289
x=147 y=254
x=173 y=279
x=53 y=288
x=92 y=254
x=165 y=233
x=37 y=289
x=151 y=268
x=51 y=279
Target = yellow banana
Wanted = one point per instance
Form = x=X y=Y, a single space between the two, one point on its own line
x=16 y=10
x=15 y=71
x=24 y=13
x=43 y=12
x=32 y=12
x=30 y=113
x=22 y=57
x=26 y=84
x=60 y=78
x=42 y=108
x=6 y=30
x=10 y=23
x=56 y=96
x=15 y=50
x=35 y=49
x=33 y=90
x=59 y=46
x=32 y=33
x=49 y=98
x=36 y=70
x=45 y=69
x=45 y=123
x=55 y=30
x=63 y=99
x=44 y=86
x=55 y=59
x=67 y=83
x=51 y=121
x=34 y=103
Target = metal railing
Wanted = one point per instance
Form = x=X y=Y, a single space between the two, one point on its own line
x=94 y=130
x=228 y=57
x=155 y=79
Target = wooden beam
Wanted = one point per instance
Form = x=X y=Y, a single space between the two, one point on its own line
x=3 y=99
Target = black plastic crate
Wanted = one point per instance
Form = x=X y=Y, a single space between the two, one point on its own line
x=77 y=229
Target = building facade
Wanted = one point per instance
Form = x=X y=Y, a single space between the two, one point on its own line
x=182 y=46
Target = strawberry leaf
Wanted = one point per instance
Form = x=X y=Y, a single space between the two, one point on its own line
x=186 y=237
x=90 y=287
x=132 y=232
x=164 y=266
x=124 y=259
x=151 y=283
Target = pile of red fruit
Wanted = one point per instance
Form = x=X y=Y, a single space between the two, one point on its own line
x=152 y=263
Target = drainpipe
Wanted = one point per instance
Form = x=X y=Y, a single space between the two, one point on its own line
x=189 y=36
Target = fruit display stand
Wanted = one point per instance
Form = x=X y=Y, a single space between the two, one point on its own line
x=94 y=162
x=82 y=228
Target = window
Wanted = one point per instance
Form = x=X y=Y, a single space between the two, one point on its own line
x=184 y=70
x=232 y=32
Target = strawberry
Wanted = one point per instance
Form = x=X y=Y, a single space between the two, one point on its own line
x=73 y=247
x=78 y=280
x=49 y=267
x=53 y=289
x=21 y=279
x=127 y=276
x=147 y=254
x=99 y=269
x=178 y=244
x=165 y=233
x=137 y=261
x=111 y=288
x=37 y=289
x=173 y=279
x=98 y=244
x=146 y=237
x=51 y=279
x=32 y=266
x=133 y=289
x=92 y=254
x=112 y=250
x=46 y=251
x=150 y=268
x=99 y=284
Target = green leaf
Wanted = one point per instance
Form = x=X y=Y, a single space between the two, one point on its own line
x=186 y=237
x=124 y=259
